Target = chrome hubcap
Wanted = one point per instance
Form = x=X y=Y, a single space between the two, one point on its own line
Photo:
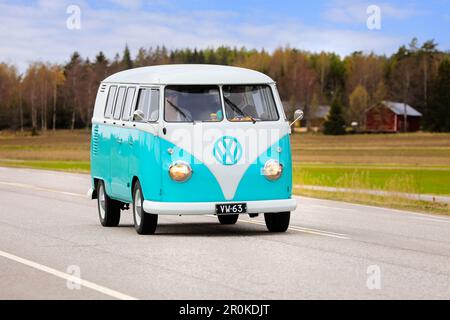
x=101 y=199
x=137 y=207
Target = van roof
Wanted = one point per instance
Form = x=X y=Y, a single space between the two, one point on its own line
x=189 y=74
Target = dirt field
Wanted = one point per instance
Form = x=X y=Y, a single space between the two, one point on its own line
x=422 y=149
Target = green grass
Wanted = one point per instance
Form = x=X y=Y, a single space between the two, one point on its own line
x=72 y=166
x=423 y=180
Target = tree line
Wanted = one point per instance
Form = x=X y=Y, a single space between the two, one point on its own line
x=50 y=96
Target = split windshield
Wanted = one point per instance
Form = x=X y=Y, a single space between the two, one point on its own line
x=243 y=103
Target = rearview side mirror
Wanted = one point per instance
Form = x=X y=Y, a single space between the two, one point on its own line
x=298 y=115
x=138 y=115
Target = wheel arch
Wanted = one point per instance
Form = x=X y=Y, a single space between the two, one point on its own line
x=95 y=188
x=133 y=182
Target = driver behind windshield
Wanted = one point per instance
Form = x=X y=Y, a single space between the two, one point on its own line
x=237 y=108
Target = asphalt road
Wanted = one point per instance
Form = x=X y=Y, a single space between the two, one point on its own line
x=333 y=250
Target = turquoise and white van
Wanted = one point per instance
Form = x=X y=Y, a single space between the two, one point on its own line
x=191 y=140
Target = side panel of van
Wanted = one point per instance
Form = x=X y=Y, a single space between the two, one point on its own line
x=145 y=162
x=100 y=168
x=120 y=155
x=100 y=154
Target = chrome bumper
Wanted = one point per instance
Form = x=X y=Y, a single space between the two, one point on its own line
x=202 y=208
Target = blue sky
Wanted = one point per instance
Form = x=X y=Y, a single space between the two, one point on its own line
x=36 y=29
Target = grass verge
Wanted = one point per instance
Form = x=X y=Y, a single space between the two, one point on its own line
x=70 y=166
x=407 y=179
x=379 y=201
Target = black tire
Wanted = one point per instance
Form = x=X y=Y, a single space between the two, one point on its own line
x=277 y=221
x=108 y=209
x=144 y=223
x=228 y=219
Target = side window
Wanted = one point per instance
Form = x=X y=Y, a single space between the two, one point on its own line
x=154 y=105
x=119 y=103
x=128 y=102
x=110 y=101
x=148 y=103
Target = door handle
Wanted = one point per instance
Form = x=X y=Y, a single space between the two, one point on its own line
x=119 y=140
x=130 y=142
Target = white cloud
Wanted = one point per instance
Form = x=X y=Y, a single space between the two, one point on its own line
x=317 y=39
x=39 y=33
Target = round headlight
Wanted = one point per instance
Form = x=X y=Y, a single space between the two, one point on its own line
x=180 y=171
x=273 y=169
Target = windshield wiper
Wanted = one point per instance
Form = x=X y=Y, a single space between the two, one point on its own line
x=239 y=110
x=180 y=111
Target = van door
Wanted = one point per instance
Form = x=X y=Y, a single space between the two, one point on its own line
x=144 y=143
x=120 y=149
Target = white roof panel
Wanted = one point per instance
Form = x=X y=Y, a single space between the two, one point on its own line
x=190 y=74
x=399 y=108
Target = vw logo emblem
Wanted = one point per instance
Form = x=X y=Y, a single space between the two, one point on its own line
x=227 y=150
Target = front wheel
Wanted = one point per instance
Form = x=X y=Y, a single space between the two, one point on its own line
x=144 y=223
x=277 y=221
x=108 y=209
x=228 y=219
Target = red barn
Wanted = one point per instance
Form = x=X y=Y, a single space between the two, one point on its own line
x=389 y=116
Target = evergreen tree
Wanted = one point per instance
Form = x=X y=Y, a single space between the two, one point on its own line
x=75 y=59
x=100 y=58
x=437 y=116
x=127 y=63
x=335 y=124
x=141 y=58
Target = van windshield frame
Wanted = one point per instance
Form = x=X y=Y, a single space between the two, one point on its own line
x=233 y=103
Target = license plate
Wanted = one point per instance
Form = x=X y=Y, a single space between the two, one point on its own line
x=231 y=208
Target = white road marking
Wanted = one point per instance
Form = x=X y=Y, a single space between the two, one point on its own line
x=29 y=186
x=317 y=230
x=307 y=230
x=430 y=219
x=332 y=208
x=66 y=276
x=300 y=229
